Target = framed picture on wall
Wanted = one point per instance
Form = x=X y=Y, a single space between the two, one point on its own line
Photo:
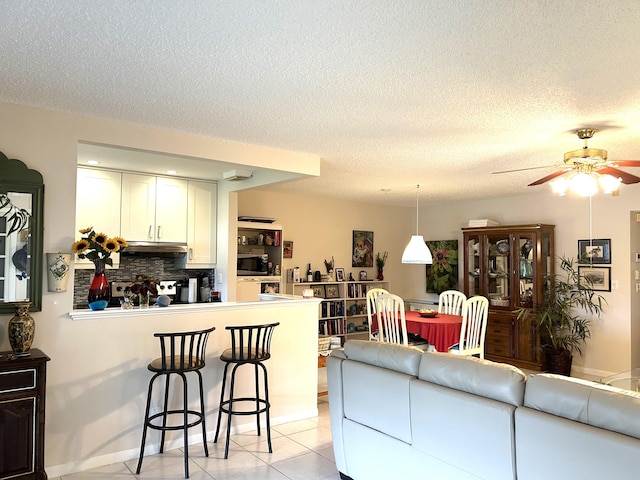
x=596 y=278
x=595 y=250
x=362 y=249
x=287 y=249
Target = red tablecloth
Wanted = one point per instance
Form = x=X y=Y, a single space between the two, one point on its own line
x=441 y=331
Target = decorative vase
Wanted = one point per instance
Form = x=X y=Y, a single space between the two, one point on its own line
x=58 y=271
x=99 y=288
x=143 y=301
x=380 y=275
x=22 y=328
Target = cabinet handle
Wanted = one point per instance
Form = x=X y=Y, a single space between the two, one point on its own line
x=191 y=254
x=159 y=232
x=150 y=231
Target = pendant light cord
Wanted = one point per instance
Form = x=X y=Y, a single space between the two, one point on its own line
x=417 y=192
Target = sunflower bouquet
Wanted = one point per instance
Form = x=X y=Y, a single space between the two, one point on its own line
x=97 y=246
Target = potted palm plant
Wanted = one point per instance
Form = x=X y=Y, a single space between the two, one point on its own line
x=564 y=316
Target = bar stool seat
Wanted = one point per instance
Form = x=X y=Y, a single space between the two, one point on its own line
x=250 y=344
x=181 y=353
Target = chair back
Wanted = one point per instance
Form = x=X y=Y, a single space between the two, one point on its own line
x=392 y=326
x=181 y=351
x=249 y=343
x=372 y=294
x=451 y=302
x=474 y=326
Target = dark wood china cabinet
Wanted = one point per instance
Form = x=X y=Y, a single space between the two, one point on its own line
x=22 y=408
x=508 y=265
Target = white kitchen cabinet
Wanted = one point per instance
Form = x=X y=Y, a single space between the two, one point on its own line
x=202 y=203
x=98 y=194
x=153 y=208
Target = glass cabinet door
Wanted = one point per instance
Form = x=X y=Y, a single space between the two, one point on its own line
x=473 y=263
x=526 y=267
x=498 y=270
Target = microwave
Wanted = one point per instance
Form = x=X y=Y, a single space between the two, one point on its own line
x=249 y=264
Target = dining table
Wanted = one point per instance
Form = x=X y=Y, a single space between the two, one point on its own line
x=441 y=331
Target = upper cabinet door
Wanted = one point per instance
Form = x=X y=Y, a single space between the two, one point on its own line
x=154 y=209
x=201 y=238
x=171 y=210
x=104 y=185
x=138 y=207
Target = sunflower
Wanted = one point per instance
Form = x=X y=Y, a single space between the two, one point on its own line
x=80 y=246
x=121 y=241
x=97 y=247
x=100 y=238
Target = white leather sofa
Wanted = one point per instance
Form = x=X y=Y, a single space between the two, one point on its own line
x=399 y=412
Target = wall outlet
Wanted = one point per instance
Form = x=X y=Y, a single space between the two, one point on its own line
x=637 y=257
x=637 y=287
x=614 y=284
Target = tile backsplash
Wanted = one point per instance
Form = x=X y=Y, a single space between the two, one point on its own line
x=162 y=268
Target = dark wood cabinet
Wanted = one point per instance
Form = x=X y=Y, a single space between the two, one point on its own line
x=22 y=408
x=508 y=265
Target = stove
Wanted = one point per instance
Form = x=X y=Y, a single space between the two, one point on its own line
x=117 y=292
x=167 y=287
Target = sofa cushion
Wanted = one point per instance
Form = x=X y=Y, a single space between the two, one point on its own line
x=498 y=381
x=386 y=355
x=474 y=433
x=554 y=448
x=384 y=407
x=587 y=402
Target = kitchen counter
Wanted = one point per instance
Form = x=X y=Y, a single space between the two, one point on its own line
x=101 y=394
x=181 y=308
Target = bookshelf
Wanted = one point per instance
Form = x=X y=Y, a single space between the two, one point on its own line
x=343 y=312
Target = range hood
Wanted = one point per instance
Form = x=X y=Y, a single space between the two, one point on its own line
x=166 y=249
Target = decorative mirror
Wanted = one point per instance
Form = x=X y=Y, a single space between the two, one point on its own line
x=21 y=211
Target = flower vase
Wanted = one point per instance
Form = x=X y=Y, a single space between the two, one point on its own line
x=99 y=288
x=380 y=275
x=22 y=328
x=143 y=300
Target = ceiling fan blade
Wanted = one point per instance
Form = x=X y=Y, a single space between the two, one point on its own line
x=547 y=178
x=529 y=168
x=627 y=178
x=626 y=163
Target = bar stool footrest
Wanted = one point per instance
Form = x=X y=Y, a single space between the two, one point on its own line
x=197 y=421
x=224 y=406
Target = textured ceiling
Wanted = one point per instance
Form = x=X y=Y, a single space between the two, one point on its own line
x=388 y=93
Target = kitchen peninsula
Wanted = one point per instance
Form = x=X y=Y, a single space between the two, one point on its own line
x=112 y=364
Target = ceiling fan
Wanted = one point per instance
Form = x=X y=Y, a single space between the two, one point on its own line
x=588 y=161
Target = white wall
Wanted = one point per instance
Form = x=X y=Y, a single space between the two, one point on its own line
x=322 y=227
x=96 y=373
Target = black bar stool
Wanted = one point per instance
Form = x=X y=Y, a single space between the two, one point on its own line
x=250 y=344
x=180 y=353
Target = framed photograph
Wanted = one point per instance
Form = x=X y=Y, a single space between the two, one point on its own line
x=363 y=275
x=597 y=278
x=287 y=249
x=340 y=277
x=596 y=250
x=362 y=252
x=331 y=291
x=318 y=291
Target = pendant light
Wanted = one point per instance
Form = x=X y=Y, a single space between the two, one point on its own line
x=417 y=251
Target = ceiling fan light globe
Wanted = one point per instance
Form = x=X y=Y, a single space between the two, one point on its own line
x=559 y=185
x=584 y=185
x=609 y=183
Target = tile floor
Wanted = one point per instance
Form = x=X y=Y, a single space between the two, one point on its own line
x=302 y=450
